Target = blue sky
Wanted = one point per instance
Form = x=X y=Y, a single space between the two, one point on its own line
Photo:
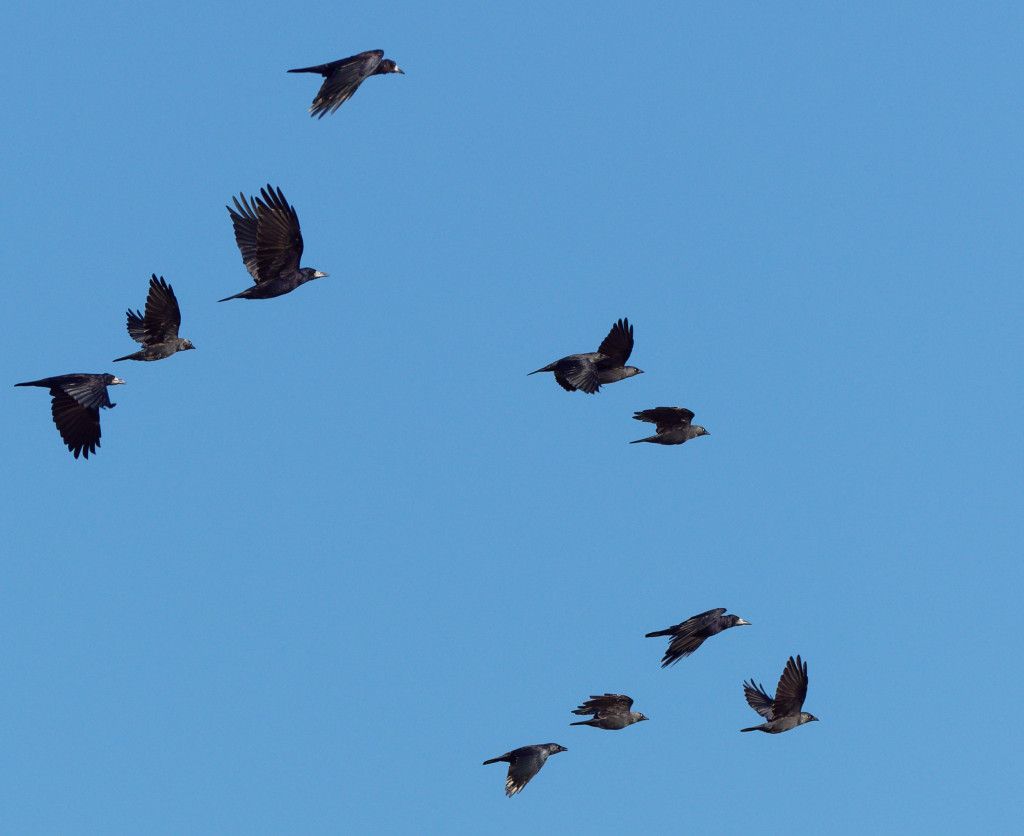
x=326 y=564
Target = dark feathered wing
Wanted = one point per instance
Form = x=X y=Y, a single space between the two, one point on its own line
x=757 y=699
x=578 y=374
x=79 y=425
x=792 y=689
x=245 y=223
x=666 y=418
x=618 y=345
x=606 y=705
x=341 y=79
x=278 y=238
x=525 y=763
x=162 y=318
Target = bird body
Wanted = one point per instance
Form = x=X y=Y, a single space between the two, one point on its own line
x=673 y=424
x=524 y=763
x=343 y=77
x=785 y=711
x=268 y=236
x=76 y=404
x=610 y=711
x=690 y=634
x=589 y=372
x=157 y=329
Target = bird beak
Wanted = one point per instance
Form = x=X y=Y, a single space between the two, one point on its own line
x=116 y=380
x=320 y=274
x=399 y=69
x=743 y=622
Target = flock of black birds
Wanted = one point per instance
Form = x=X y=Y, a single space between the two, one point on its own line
x=268 y=235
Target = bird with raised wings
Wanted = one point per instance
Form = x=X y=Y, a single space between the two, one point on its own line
x=785 y=711
x=589 y=372
x=610 y=711
x=156 y=330
x=672 y=425
x=268 y=236
x=524 y=763
x=76 y=404
x=343 y=77
x=690 y=634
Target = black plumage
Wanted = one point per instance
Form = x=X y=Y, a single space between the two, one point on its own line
x=688 y=635
x=77 y=400
x=524 y=763
x=672 y=423
x=343 y=77
x=157 y=330
x=268 y=236
x=785 y=711
x=610 y=711
x=588 y=372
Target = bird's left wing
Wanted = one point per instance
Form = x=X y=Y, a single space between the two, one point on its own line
x=79 y=425
x=618 y=345
x=278 y=238
x=792 y=689
x=342 y=79
x=757 y=699
x=526 y=762
x=605 y=705
x=163 y=316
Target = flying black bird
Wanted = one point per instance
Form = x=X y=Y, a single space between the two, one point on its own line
x=688 y=635
x=587 y=372
x=157 y=331
x=343 y=77
x=77 y=399
x=611 y=711
x=784 y=712
x=267 y=233
x=673 y=425
x=524 y=763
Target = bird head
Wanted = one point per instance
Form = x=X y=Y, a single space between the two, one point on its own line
x=700 y=430
x=320 y=274
x=807 y=717
x=186 y=345
x=389 y=66
x=638 y=716
x=555 y=748
x=631 y=371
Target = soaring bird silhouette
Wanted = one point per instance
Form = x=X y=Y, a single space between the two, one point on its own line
x=610 y=711
x=588 y=372
x=77 y=400
x=524 y=763
x=268 y=236
x=672 y=424
x=157 y=330
x=343 y=77
x=785 y=711
x=688 y=635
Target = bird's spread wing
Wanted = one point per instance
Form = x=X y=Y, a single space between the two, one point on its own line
x=342 y=79
x=79 y=425
x=681 y=645
x=757 y=699
x=618 y=345
x=245 y=222
x=87 y=391
x=792 y=689
x=278 y=239
x=137 y=326
x=605 y=705
x=666 y=418
x=163 y=316
x=524 y=765
x=579 y=373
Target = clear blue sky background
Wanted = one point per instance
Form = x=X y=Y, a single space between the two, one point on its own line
x=326 y=564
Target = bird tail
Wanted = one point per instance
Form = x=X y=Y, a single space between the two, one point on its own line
x=319 y=68
x=496 y=760
x=582 y=723
x=752 y=728
x=32 y=383
x=126 y=357
x=550 y=367
x=641 y=440
x=236 y=296
x=657 y=633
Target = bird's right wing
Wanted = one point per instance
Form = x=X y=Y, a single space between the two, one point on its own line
x=79 y=425
x=163 y=316
x=792 y=689
x=757 y=699
x=606 y=705
x=666 y=418
x=618 y=345
x=524 y=765
x=278 y=238
x=579 y=374
x=87 y=391
x=137 y=327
